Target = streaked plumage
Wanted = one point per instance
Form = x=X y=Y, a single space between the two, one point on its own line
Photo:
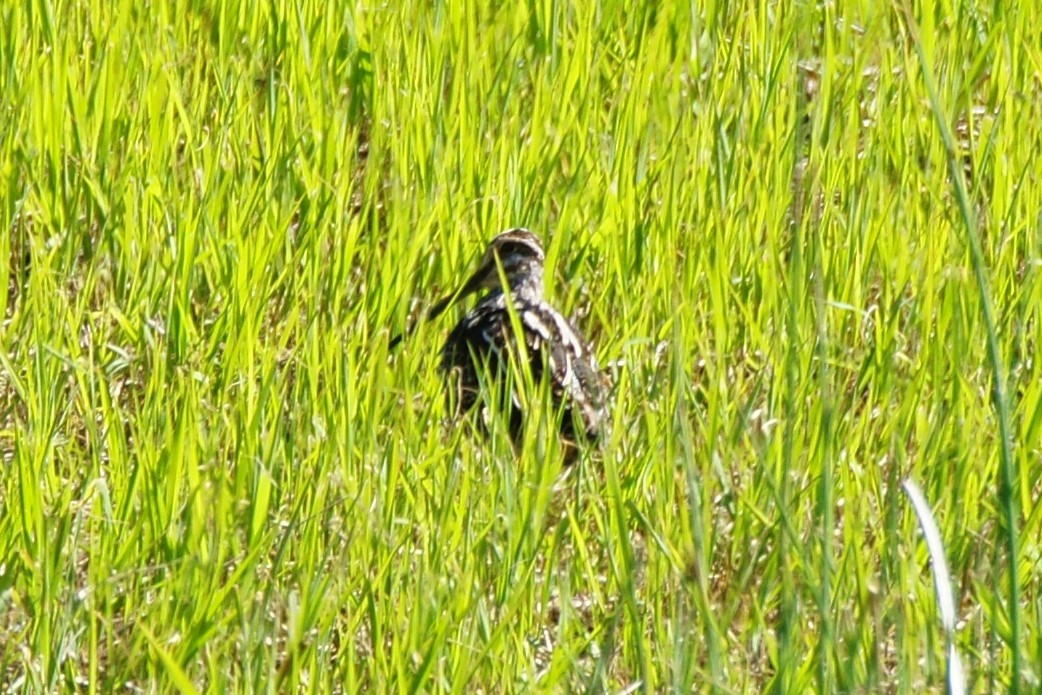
x=484 y=337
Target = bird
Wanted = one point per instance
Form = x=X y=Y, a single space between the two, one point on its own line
x=486 y=338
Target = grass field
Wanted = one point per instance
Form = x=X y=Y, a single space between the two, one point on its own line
x=805 y=238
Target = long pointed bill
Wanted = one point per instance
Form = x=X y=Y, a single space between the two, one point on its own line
x=440 y=306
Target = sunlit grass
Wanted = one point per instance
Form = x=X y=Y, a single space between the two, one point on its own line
x=215 y=475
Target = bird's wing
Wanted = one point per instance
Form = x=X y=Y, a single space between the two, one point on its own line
x=575 y=380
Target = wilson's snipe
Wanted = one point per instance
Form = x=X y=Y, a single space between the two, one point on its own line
x=485 y=338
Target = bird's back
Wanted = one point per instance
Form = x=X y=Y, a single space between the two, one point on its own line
x=485 y=337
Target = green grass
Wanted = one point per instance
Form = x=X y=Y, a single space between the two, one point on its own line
x=216 y=476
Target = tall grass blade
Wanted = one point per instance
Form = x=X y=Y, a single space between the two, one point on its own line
x=942 y=583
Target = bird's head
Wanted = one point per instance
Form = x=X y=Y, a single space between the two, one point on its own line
x=520 y=254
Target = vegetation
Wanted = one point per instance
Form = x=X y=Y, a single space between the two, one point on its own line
x=805 y=239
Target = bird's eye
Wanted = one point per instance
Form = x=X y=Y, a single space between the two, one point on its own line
x=513 y=248
x=508 y=249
